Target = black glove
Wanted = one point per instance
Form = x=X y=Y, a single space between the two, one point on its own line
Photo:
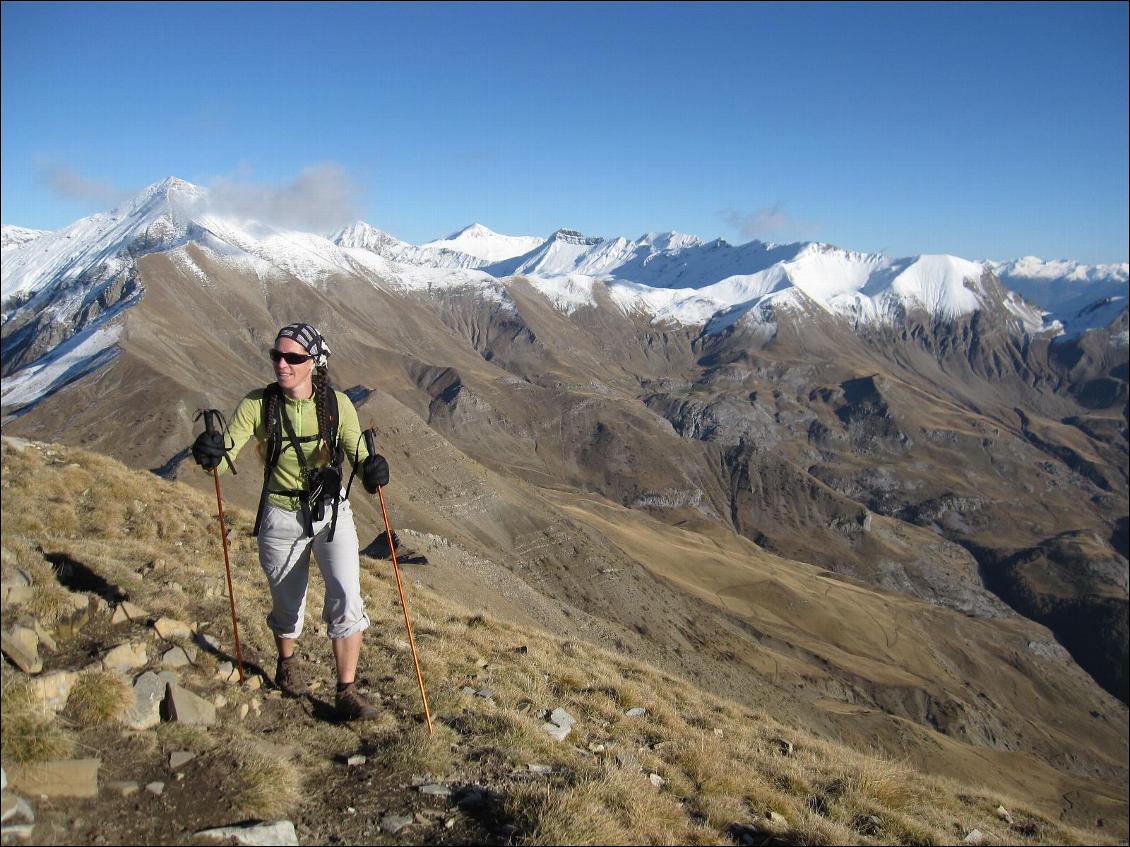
x=374 y=472
x=208 y=450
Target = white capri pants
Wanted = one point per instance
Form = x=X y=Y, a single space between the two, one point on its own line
x=284 y=553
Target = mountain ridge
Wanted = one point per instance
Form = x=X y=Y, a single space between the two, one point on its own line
x=666 y=260
x=75 y=279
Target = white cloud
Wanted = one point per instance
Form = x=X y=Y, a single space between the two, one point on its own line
x=766 y=223
x=69 y=184
x=321 y=198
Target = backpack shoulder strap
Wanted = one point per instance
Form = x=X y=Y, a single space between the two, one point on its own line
x=271 y=425
x=274 y=448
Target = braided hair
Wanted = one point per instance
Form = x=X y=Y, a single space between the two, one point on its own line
x=322 y=388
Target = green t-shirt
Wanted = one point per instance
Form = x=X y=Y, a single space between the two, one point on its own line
x=247 y=421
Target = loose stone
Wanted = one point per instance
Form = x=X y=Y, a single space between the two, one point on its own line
x=178 y=657
x=187 y=708
x=562 y=718
x=21 y=645
x=126 y=612
x=125 y=788
x=783 y=746
x=558 y=732
x=59 y=778
x=279 y=832
x=180 y=758
x=125 y=657
x=392 y=824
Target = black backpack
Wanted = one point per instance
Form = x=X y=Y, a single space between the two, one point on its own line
x=322 y=485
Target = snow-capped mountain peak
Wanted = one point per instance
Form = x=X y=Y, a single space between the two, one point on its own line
x=668 y=240
x=485 y=244
x=166 y=188
x=361 y=234
x=170 y=196
x=103 y=244
x=472 y=231
x=80 y=278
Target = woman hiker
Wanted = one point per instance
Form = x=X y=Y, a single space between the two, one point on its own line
x=304 y=427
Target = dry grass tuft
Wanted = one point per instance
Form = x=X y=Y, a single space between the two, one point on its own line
x=99 y=697
x=549 y=815
x=412 y=750
x=266 y=785
x=607 y=804
x=50 y=602
x=707 y=765
x=658 y=817
x=30 y=733
x=178 y=736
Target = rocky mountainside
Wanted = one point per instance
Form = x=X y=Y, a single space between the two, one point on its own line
x=125 y=719
x=751 y=477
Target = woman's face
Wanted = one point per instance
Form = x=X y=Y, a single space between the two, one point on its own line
x=295 y=380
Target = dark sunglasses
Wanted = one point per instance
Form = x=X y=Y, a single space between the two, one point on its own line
x=291 y=358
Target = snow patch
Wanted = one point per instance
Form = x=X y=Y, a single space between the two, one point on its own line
x=566 y=293
x=14 y=236
x=74 y=358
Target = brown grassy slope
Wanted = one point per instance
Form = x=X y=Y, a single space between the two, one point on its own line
x=856 y=653
x=720 y=762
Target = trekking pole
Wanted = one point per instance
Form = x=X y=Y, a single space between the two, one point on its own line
x=210 y=427
x=371 y=443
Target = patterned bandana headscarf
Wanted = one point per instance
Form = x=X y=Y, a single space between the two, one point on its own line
x=309 y=338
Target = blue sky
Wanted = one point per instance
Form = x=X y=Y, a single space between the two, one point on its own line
x=982 y=130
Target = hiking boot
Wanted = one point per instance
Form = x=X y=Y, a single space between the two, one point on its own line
x=351 y=706
x=288 y=677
